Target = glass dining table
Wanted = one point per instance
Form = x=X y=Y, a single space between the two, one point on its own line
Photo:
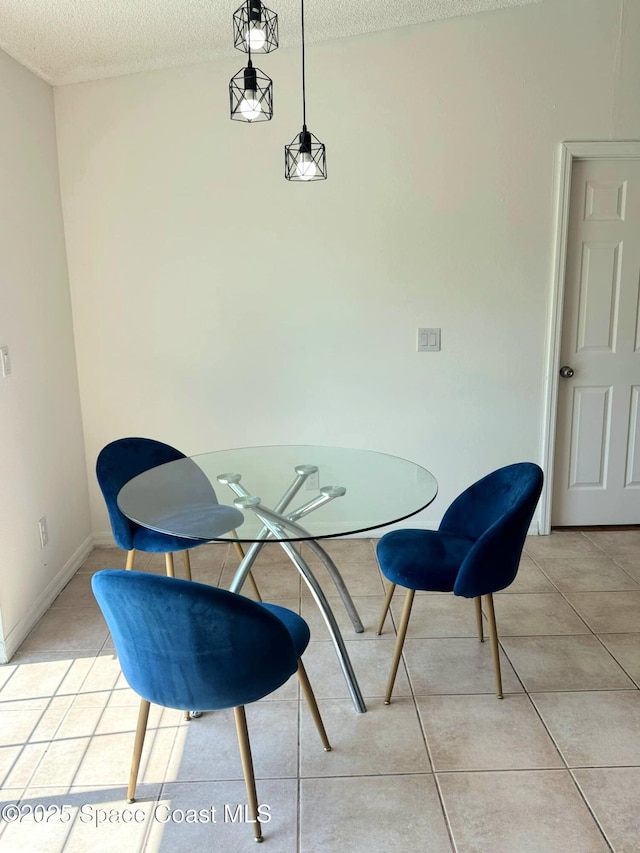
x=245 y=495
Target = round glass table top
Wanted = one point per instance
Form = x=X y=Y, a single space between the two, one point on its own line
x=305 y=491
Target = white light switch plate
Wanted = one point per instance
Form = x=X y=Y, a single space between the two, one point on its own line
x=428 y=340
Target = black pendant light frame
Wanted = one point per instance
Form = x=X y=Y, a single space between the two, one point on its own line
x=254 y=81
x=248 y=15
x=305 y=157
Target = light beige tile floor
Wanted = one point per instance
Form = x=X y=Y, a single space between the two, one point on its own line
x=554 y=766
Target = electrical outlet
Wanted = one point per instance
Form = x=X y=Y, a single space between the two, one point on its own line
x=44 y=533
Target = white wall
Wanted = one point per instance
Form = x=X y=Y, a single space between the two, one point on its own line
x=218 y=305
x=41 y=444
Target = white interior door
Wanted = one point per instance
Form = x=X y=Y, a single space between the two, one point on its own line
x=597 y=456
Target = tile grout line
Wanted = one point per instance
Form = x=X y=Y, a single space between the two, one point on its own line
x=443 y=808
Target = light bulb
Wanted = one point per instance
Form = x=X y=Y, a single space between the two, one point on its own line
x=250 y=105
x=255 y=38
x=306 y=168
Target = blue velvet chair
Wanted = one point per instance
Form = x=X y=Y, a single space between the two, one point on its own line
x=186 y=645
x=476 y=551
x=121 y=461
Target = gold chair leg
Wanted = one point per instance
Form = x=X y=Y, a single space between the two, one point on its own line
x=397 y=652
x=141 y=729
x=168 y=560
x=385 y=607
x=254 y=587
x=187 y=565
x=240 y=553
x=247 y=768
x=478 y=603
x=313 y=705
x=495 y=649
x=237 y=545
x=130 y=558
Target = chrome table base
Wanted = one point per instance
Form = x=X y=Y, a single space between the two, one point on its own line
x=277 y=527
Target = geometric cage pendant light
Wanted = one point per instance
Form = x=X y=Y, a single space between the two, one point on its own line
x=305 y=157
x=255 y=28
x=251 y=95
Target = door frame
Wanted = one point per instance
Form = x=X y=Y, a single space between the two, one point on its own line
x=567 y=154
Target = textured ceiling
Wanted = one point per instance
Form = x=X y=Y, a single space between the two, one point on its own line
x=71 y=41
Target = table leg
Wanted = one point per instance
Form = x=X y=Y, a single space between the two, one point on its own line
x=246 y=564
x=275 y=524
x=321 y=602
x=233 y=481
x=332 y=625
x=327 y=493
x=252 y=552
x=336 y=577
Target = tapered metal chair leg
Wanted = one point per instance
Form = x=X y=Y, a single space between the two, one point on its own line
x=385 y=607
x=131 y=555
x=313 y=705
x=397 y=652
x=240 y=553
x=495 y=649
x=247 y=768
x=478 y=603
x=141 y=729
x=168 y=560
x=187 y=565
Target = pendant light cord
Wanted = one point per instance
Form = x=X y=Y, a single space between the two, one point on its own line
x=304 y=104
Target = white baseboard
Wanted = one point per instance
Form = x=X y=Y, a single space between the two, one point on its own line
x=18 y=634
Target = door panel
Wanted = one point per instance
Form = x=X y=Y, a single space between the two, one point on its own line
x=599 y=296
x=597 y=465
x=591 y=410
x=632 y=478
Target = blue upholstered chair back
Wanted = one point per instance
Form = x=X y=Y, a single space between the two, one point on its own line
x=121 y=461
x=495 y=512
x=187 y=645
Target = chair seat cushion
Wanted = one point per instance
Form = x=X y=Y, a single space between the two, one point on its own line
x=422 y=559
x=295 y=625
